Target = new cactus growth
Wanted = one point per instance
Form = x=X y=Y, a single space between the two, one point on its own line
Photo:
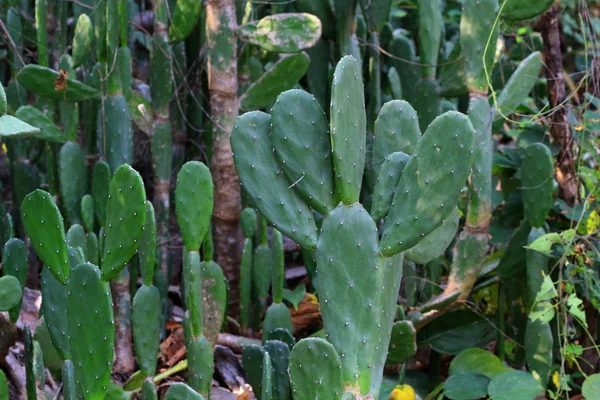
x=14 y=263
x=358 y=321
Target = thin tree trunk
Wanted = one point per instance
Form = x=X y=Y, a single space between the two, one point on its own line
x=222 y=83
x=566 y=176
x=124 y=357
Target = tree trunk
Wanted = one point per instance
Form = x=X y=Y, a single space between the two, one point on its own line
x=560 y=130
x=222 y=84
x=124 y=357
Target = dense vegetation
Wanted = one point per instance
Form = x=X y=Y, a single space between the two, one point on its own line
x=307 y=199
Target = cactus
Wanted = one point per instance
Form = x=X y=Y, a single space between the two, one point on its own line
x=283 y=75
x=436 y=243
x=403 y=343
x=10 y=292
x=396 y=130
x=69 y=383
x=279 y=353
x=303 y=147
x=259 y=370
x=537 y=268
x=200 y=364
x=248 y=224
x=91 y=329
x=147 y=246
x=149 y=390
x=388 y=179
x=348 y=239
x=261 y=265
x=76 y=239
x=14 y=263
x=93 y=249
x=147 y=324
x=100 y=189
x=537 y=177
x=125 y=218
x=37 y=210
x=430 y=35
x=3 y=386
x=29 y=371
x=293 y=32
x=73 y=180
x=214 y=293
x=405 y=64
x=87 y=213
x=184 y=19
x=181 y=391
x=539 y=344
x=192 y=271
x=82 y=39
x=312 y=382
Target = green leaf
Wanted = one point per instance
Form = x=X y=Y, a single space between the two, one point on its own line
x=591 y=387
x=543 y=244
x=466 y=386
x=544 y=311
x=547 y=290
x=514 y=385
x=573 y=302
x=14 y=127
x=40 y=80
x=477 y=360
x=294 y=297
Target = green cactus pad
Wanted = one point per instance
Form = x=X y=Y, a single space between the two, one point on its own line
x=477 y=21
x=40 y=80
x=184 y=19
x=519 y=85
x=539 y=345
x=282 y=76
x=248 y=222
x=376 y=12
x=125 y=218
x=537 y=176
x=3 y=387
x=73 y=180
x=320 y=9
x=246 y=283
x=435 y=244
x=427 y=102
x=348 y=129
x=125 y=70
x=386 y=183
x=100 y=188
x=14 y=263
x=91 y=329
x=200 y=364
x=282 y=33
x=147 y=325
x=77 y=240
x=87 y=213
x=68 y=380
x=149 y=390
x=214 y=293
x=351 y=301
x=431 y=182
x=10 y=292
x=259 y=371
x=537 y=268
x=403 y=344
x=396 y=129
x=181 y=391
x=47 y=130
x=93 y=251
x=315 y=370
x=431 y=24
x=29 y=370
x=12 y=127
x=45 y=227
x=266 y=185
x=3 y=103
x=82 y=40
x=515 y=10
x=147 y=246
x=277 y=266
x=407 y=65
x=117 y=147
x=54 y=307
x=283 y=335
x=194 y=203
x=277 y=316
x=299 y=134
x=279 y=352
x=192 y=276
x=261 y=271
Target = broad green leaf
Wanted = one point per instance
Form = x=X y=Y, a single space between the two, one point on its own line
x=466 y=386
x=543 y=244
x=573 y=302
x=294 y=297
x=477 y=360
x=13 y=127
x=514 y=385
x=544 y=311
x=591 y=387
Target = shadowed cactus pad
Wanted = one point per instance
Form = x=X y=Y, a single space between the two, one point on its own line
x=147 y=324
x=386 y=183
x=125 y=218
x=396 y=130
x=10 y=292
x=181 y=391
x=537 y=177
x=14 y=263
x=315 y=370
x=45 y=227
x=194 y=203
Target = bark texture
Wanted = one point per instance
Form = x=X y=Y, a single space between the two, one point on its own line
x=566 y=176
x=124 y=357
x=222 y=84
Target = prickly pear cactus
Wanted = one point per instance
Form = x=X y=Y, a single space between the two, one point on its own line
x=358 y=309
x=147 y=324
x=537 y=177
